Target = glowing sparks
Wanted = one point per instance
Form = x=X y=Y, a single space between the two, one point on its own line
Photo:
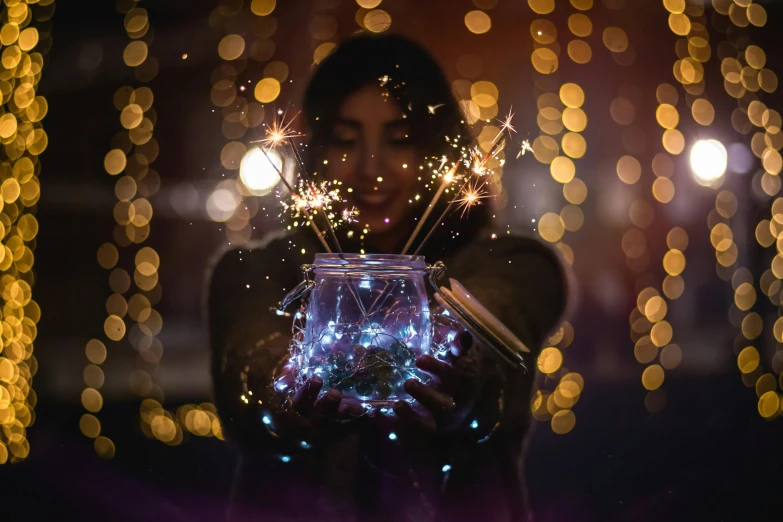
x=524 y=148
x=349 y=215
x=471 y=196
x=432 y=108
x=505 y=124
x=312 y=197
x=279 y=132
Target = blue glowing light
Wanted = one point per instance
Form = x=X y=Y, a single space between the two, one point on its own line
x=285 y=458
x=392 y=436
x=446 y=468
x=305 y=444
x=266 y=420
x=474 y=424
x=279 y=312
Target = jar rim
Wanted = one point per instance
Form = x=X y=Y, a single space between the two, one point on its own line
x=369 y=261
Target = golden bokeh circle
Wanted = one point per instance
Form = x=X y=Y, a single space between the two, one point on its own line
x=263 y=7
x=674 y=262
x=573 y=144
x=562 y=169
x=114 y=328
x=377 y=21
x=549 y=360
x=580 y=25
x=575 y=191
x=580 y=51
x=629 y=170
x=544 y=60
x=563 y=422
x=673 y=141
x=703 y=112
x=572 y=95
x=542 y=6
x=663 y=190
x=231 y=47
x=135 y=53
x=748 y=359
x=543 y=31
x=320 y=53
x=267 y=90
x=478 y=22
x=615 y=39
x=574 y=119
x=652 y=377
x=551 y=227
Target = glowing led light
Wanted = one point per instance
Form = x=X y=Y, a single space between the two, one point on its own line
x=285 y=458
x=257 y=173
x=446 y=468
x=266 y=420
x=392 y=436
x=474 y=424
x=708 y=161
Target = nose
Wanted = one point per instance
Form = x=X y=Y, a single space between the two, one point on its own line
x=372 y=165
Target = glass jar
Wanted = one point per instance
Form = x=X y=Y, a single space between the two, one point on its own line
x=365 y=321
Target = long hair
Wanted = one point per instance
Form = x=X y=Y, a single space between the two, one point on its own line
x=415 y=81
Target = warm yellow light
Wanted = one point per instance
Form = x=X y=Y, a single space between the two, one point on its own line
x=708 y=161
x=257 y=173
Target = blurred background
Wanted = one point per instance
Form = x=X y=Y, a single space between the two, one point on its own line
x=646 y=152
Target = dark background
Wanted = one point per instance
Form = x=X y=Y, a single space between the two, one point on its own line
x=707 y=455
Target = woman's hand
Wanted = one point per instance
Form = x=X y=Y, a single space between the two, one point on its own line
x=445 y=403
x=308 y=417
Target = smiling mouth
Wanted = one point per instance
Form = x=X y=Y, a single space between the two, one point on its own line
x=374 y=198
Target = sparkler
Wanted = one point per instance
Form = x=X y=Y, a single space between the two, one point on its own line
x=479 y=169
x=448 y=178
x=303 y=173
x=303 y=209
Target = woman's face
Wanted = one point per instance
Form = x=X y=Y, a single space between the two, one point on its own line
x=371 y=153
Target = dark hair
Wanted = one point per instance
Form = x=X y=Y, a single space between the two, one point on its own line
x=414 y=79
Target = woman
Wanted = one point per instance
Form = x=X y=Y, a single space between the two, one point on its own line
x=376 y=108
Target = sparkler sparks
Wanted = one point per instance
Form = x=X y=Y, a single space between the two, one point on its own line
x=525 y=148
x=279 y=131
x=471 y=196
x=311 y=197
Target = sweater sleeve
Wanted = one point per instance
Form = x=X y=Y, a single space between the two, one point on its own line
x=248 y=341
x=523 y=283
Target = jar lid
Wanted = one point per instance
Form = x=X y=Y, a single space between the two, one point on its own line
x=368 y=262
x=482 y=324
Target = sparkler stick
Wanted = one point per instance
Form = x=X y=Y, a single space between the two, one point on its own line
x=446 y=180
x=478 y=169
x=303 y=172
x=304 y=210
x=496 y=145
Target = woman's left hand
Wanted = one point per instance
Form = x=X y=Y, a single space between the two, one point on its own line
x=444 y=404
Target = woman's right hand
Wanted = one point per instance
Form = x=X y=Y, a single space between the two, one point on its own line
x=309 y=417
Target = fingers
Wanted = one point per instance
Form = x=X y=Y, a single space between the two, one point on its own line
x=435 y=401
x=446 y=375
x=328 y=405
x=423 y=420
x=462 y=343
x=304 y=399
x=348 y=410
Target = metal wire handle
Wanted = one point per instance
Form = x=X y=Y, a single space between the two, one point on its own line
x=300 y=290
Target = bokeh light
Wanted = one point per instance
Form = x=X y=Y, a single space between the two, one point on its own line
x=259 y=174
x=708 y=160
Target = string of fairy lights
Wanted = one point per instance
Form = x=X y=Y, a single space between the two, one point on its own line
x=560 y=115
x=25 y=37
x=132 y=153
x=651 y=332
x=745 y=77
